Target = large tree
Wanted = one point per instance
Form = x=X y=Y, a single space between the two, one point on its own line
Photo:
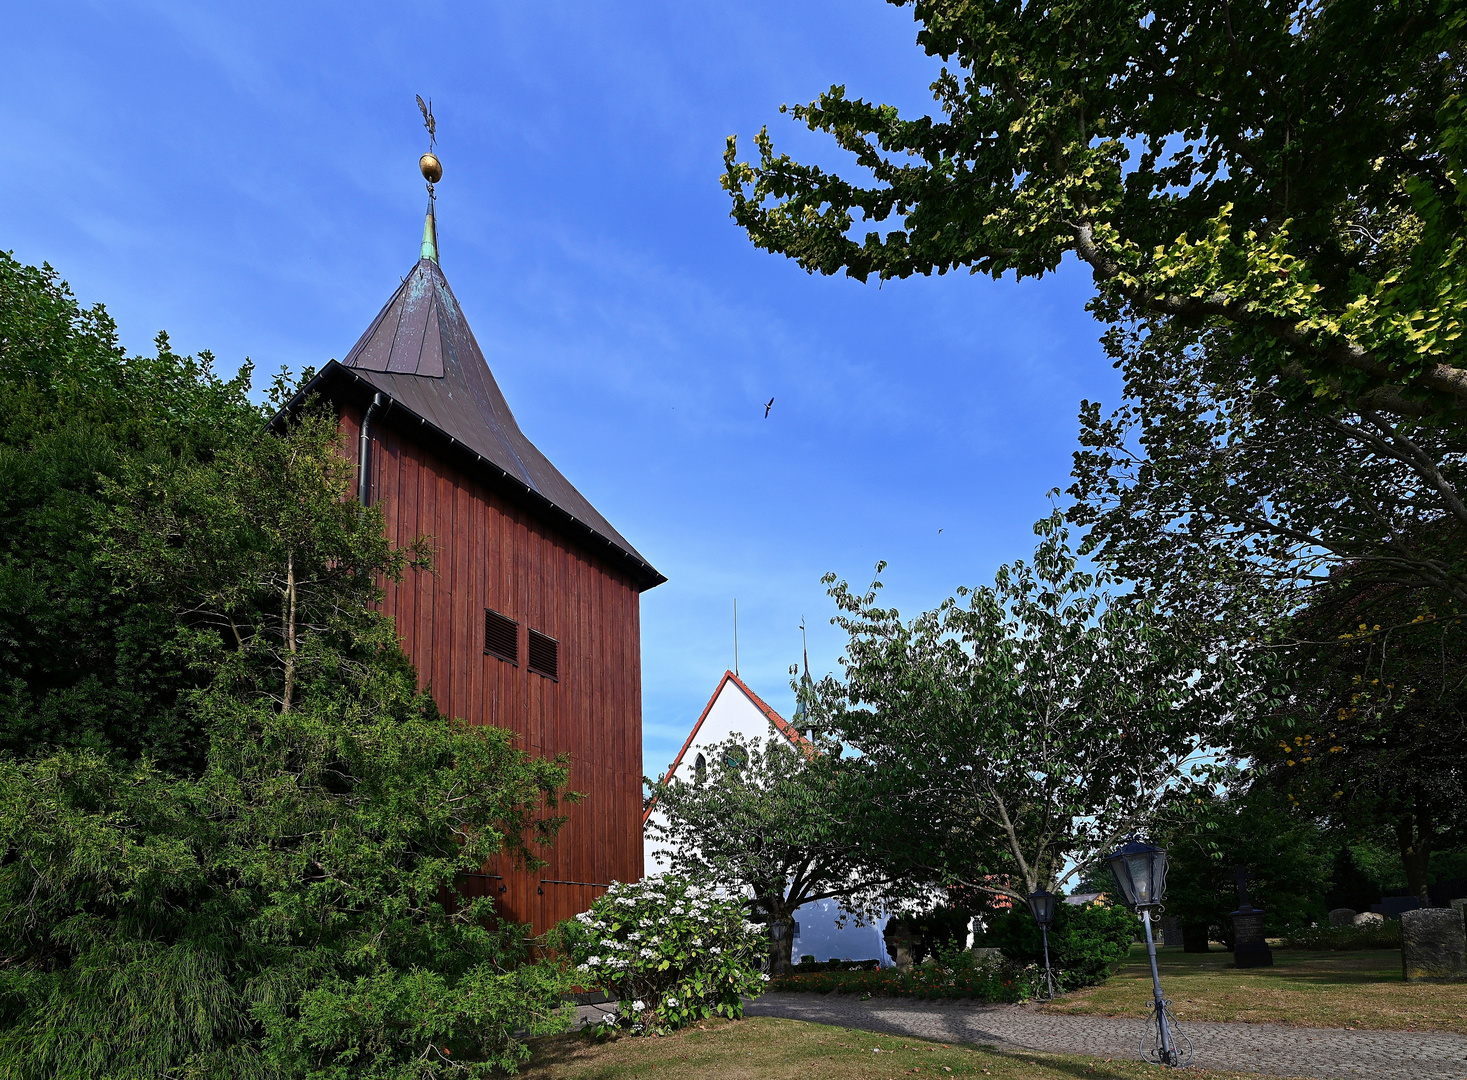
x=1290 y=173
x=1210 y=833
x=1022 y=729
x=86 y=663
x=784 y=826
x=1235 y=496
x=264 y=886
x=1369 y=726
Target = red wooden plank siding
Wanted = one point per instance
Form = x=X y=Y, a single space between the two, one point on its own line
x=488 y=552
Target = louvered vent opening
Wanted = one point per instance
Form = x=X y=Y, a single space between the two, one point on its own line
x=502 y=636
x=544 y=655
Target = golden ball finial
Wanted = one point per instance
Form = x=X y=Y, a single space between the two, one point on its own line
x=432 y=168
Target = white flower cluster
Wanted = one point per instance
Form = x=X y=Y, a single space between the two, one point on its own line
x=652 y=942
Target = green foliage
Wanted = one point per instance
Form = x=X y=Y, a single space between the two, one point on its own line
x=1332 y=539
x=1345 y=938
x=410 y=1024
x=1087 y=942
x=809 y=964
x=942 y=928
x=1228 y=495
x=670 y=952
x=1288 y=172
x=1368 y=726
x=951 y=974
x=269 y=890
x=227 y=924
x=1350 y=884
x=781 y=824
x=1029 y=725
x=1208 y=836
x=84 y=663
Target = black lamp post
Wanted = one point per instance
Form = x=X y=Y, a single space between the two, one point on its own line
x=1041 y=904
x=1140 y=873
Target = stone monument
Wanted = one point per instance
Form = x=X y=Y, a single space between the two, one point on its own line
x=1195 y=936
x=1171 y=930
x=1433 y=945
x=1342 y=916
x=1250 y=949
x=1368 y=918
x=901 y=943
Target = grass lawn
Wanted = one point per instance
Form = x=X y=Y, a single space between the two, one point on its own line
x=764 y=1048
x=1311 y=989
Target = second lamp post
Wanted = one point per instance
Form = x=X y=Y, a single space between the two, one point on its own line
x=1041 y=904
x=1140 y=873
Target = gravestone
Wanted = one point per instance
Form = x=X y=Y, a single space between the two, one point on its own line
x=1342 y=916
x=1195 y=936
x=1392 y=906
x=1250 y=949
x=1171 y=930
x=1460 y=904
x=1433 y=945
x=1368 y=918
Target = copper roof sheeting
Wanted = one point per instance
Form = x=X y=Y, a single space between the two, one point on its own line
x=420 y=353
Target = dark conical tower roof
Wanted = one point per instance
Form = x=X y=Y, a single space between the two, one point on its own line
x=421 y=356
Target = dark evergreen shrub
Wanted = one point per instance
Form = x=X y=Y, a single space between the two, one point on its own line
x=1346 y=938
x=1086 y=944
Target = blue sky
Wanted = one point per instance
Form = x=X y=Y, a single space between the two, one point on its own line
x=244 y=176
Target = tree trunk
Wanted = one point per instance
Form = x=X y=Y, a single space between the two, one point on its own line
x=1414 y=834
x=290 y=647
x=781 y=944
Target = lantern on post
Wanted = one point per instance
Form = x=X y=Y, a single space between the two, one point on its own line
x=1041 y=905
x=1140 y=873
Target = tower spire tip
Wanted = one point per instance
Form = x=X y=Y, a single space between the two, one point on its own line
x=432 y=170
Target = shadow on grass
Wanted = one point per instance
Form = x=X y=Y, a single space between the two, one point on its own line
x=1087 y=1069
x=809 y=1054
x=1297 y=966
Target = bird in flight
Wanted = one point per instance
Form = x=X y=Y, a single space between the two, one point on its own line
x=939 y=532
x=767 y=407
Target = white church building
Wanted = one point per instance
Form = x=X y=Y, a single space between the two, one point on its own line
x=734 y=709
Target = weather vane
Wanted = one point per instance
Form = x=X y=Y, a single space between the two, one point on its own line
x=430 y=165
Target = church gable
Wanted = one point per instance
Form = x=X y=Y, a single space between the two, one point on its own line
x=734 y=709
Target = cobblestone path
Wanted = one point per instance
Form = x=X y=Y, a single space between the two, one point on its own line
x=1325 y=1053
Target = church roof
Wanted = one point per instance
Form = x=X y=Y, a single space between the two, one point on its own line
x=420 y=354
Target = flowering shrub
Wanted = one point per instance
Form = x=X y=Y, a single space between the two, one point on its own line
x=1342 y=938
x=670 y=952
